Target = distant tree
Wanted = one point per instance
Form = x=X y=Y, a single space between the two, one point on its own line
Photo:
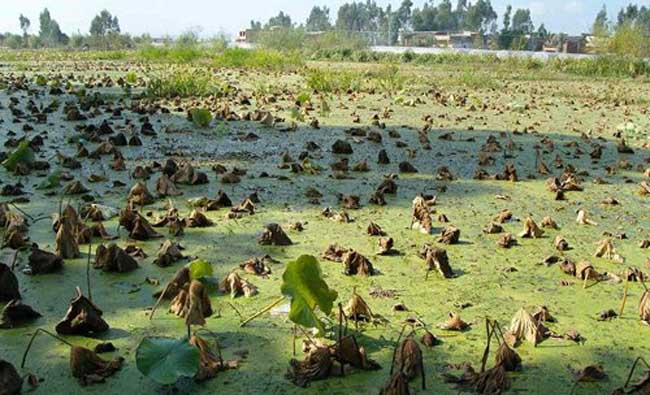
x=634 y=15
x=104 y=24
x=600 y=26
x=628 y=14
x=256 y=25
x=49 y=31
x=521 y=21
x=424 y=19
x=25 y=24
x=280 y=20
x=404 y=14
x=507 y=18
x=479 y=16
x=542 y=32
x=319 y=19
x=445 y=16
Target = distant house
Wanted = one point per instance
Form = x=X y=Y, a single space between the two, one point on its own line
x=440 y=39
x=567 y=44
x=246 y=36
x=160 y=41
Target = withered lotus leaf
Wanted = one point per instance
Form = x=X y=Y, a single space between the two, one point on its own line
x=335 y=253
x=192 y=304
x=357 y=309
x=375 y=230
x=582 y=219
x=606 y=250
x=492 y=381
x=492 y=228
x=257 y=266
x=408 y=358
x=317 y=365
x=548 y=222
x=644 y=307
x=66 y=245
x=210 y=360
x=198 y=219
x=543 y=315
x=274 y=235
x=531 y=230
x=165 y=187
x=168 y=254
x=348 y=352
x=114 y=259
x=83 y=318
x=16 y=314
x=88 y=368
x=437 y=259
x=180 y=281
x=506 y=240
x=449 y=235
x=10 y=381
x=585 y=270
x=429 y=339
x=421 y=215
x=590 y=373
x=525 y=326
x=508 y=358
x=139 y=195
x=396 y=385
x=385 y=245
x=187 y=175
x=355 y=263
x=454 y=323
x=236 y=286
x=560 y=243
x=8 y=284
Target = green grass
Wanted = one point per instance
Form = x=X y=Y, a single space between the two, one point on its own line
x=201 y=117
x=258 y=59
x=185 y=83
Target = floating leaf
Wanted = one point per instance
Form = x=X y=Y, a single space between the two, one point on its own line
x=52 y=181
x=200 y=269
x=303 y=283
x=165 y=360
x=22 y=154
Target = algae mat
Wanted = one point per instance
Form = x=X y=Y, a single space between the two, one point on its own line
x=559 y=122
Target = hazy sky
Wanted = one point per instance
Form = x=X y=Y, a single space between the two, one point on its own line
x=160 y=17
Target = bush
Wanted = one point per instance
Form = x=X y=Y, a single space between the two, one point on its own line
x=258 y=58
x=185 y=83
x=200 y=117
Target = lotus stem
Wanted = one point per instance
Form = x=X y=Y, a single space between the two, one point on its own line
x=31 y=341
x=264 y=310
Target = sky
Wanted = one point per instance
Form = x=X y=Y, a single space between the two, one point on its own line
x=172 y=17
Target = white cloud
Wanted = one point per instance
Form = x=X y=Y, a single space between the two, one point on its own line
x=574 y=6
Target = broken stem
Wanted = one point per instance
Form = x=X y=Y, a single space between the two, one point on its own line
x=487 y=345
x=629 y=376
x=264 y=310
x=31 y=341
x=627 y=283
x=90 y=295
x=392 y=364
x=162 y=295
x=241 y=318
x=294 y=339
x=587 y=273
x=14 y=260
x=23 y=212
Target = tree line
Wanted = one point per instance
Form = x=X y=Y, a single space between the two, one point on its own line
x=104 y=33
x=631 y=27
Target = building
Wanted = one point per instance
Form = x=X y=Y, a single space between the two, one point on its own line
x=440 y=39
